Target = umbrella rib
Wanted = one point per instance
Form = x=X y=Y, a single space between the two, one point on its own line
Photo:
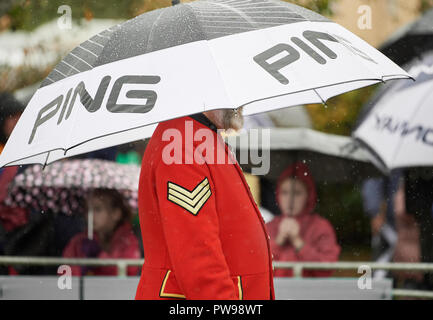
x=320 y=97
x=46 y=160
x=33 y=155
x=151 y=30
x=239 y=12
x=325 y=86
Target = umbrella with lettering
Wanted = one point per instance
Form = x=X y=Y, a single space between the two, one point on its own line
x=260 y=55
x=398 y=129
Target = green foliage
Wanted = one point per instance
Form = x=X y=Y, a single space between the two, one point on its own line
x=426 y=5
x=340 y=113
x=29 y=14
x=341 y=204
x=320 y=6
x=13 y=78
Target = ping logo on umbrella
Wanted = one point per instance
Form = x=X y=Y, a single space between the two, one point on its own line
x=191 y=201
x=292 y=54
x=94 y=104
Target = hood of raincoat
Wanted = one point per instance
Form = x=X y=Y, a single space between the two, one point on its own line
x=301 y=172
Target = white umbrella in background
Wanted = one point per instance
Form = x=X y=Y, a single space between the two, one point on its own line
x=398 y=130
x=330 y=157
x=261 y=55
x=294 y=117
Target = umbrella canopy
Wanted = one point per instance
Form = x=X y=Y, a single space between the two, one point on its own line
x=398 y=130
x=189 y=58
x=63 y=186
x=411 y=40
x=330 y=158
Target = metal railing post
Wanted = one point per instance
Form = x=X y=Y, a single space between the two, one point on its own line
x=297 y=270
x=122 y=269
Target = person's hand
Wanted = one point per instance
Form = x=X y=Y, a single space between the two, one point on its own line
x=288 y=230
x=377 y=222
x=292 y=229
x=90 y=248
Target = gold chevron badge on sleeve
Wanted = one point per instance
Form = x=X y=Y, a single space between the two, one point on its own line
x=192 y=201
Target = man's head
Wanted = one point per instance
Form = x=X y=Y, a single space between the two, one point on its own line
x=226 y=118
x=292 y=197
x=109 y=210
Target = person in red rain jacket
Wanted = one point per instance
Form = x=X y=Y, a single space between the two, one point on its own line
x=203 y=235
x=299 y=234
x=113 y=235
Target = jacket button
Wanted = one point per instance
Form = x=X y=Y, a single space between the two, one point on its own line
x=269 y=238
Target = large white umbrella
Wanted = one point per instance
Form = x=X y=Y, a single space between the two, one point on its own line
x=398 y=130
x=257 y=54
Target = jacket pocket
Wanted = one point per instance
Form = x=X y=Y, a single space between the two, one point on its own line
x=169 y=287
x=253 y=286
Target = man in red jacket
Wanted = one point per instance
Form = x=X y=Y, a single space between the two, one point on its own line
x=203 y=235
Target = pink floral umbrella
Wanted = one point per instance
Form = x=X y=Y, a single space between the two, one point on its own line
x=64 y=185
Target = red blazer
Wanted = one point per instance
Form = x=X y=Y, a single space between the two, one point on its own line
x=203 y=235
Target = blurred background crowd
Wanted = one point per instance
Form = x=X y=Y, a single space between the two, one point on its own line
x=309 y=218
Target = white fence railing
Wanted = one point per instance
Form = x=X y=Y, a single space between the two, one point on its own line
x=297 y=267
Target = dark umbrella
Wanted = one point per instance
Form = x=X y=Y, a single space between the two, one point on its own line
x=330 y=158
x=410 y=41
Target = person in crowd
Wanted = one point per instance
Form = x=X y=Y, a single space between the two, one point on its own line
x=10 y=218
x=10 y=111
x=408 y=246
x=113 y=236
x=419 y=202
x=378 y=202
x=298 y=233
